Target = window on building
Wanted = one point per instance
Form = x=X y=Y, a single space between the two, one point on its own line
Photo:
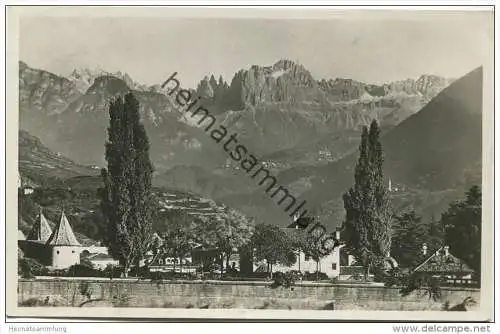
x=334 y=266
x=57 y=252
x=73 y=252
x=160 y=261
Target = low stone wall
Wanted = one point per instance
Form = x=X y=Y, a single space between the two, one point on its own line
x=218 y=294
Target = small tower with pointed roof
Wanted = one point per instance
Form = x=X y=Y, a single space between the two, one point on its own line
x=63 y=234
x=41 y=230
x=65 y=247
x=35 y=244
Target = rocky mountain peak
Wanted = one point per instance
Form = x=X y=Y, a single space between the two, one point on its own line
x=284 y=64
x=40 y=90
x=427 y=86
x=22 y=65
x=283 y=82
x=108 y=85
x=85 y=77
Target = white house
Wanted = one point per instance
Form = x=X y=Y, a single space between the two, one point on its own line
x=102 y=261
x=329 y=264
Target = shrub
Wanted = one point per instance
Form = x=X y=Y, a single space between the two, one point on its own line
x=29 y=268
x=143 y=271
x=43 y=301
x=112 y=271
x=158 y=276
x=58 y=273
x=210 y=276
x=316 y=276
x=155 y=276
x=415 y=282
x=79 y=270
x=285 y=280
x=32 y=302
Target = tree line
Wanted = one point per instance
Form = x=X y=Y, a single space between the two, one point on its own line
x=373 y=231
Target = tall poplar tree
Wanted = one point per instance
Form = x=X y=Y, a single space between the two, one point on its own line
x=367 y=226
x=126 y=198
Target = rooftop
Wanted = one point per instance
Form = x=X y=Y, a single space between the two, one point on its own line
x=443 y=262
x=63 y=234
x=41 y=231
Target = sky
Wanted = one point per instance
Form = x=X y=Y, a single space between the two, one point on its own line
x=373 y=49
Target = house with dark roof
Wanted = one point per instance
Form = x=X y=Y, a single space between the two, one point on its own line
x=161 y=262
x=445 y=265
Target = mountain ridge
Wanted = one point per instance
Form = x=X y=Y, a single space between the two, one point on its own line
x=290 y=120
x=435 y=154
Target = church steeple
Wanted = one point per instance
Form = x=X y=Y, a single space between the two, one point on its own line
x=63 y=234
x=390 y=185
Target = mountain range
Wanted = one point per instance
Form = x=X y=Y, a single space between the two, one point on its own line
x=306 y=130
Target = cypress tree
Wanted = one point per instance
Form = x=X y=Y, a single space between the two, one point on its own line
x=126 y=198
x=382 y=213
x=367 y=226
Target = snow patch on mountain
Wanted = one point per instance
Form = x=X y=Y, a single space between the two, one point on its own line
x=278 y=73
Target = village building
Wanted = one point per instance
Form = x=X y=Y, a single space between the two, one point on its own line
x=329 y=264
x=57 y=249
x=26 y=189
x=443 y=264
x=163 y=263
x=159 y=260
x=197 y=259
x=99 y=261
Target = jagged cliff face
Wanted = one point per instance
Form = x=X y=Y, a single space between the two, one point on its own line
x=427 y=86
x=97 y=96
x=279 y=107
x=289 y=83
x=280 y=112
x=285 y=81
x=43 y=92
x=76 y=125
x=83 y=78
